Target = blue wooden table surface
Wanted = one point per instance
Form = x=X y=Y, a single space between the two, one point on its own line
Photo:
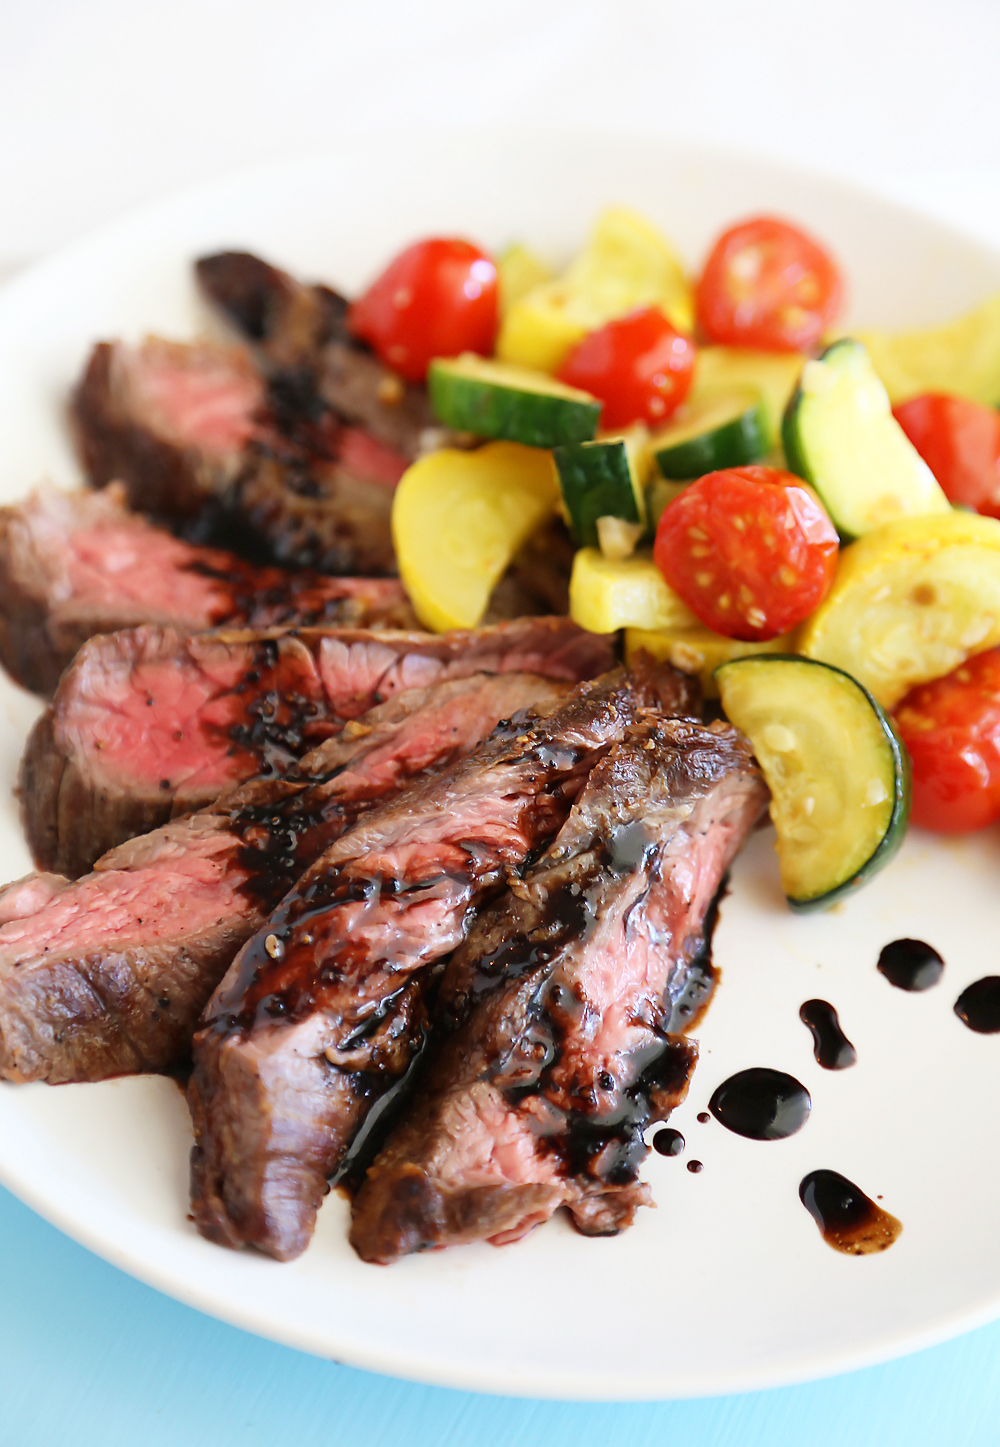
x=90 y=1357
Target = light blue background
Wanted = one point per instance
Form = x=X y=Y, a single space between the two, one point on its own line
x=91 y=1358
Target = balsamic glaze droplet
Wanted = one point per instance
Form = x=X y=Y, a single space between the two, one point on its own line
x=831 y=1046
x=978 y=1006
x=911 y=965
x=848 y=1220
x=668 y=1142
x=703 y=1117
x=694 y=1167
x=761 y=1104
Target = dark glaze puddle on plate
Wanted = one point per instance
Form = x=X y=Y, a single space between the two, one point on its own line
x=848 y=1220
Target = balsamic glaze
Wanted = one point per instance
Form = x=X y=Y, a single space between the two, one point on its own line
x=831 y=1046
x=848 y=1220
x=703 y=1117
x=978 y=1006
x=911 y=965
x=694 y=1167
x=761 y=1104
x=668 y=1142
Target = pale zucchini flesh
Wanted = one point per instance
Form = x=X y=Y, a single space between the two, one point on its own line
x=601 y=479
x=491 y=399
x=717 y=432
x=838 y=773
x=772 y=376
x=840 y=435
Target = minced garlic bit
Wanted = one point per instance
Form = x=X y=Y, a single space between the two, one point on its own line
x=274 y=947
x=617 y=538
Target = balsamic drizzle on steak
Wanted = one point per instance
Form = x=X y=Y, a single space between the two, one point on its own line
x=560 y=1015
x=150 y=722
x=325 y=1006
x=108 y=975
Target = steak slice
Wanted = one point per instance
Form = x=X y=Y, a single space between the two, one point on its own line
x=300 y=333
x=108 y=975
x=201 y=441
x=76 y=564
x=324 y=1008
x=565 y=1005
x=150 y=722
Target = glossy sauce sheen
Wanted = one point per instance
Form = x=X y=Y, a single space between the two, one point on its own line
x=831 y=1046
x=848 y=1220
x=761 y=1104
x=911 y=965
x=978 y=1006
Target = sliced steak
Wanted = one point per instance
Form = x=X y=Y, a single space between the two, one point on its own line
x=565 y=1005
x=325 y=1006
x=76 y=564
x=108 y=975
x=300 y=332
x=151 y=722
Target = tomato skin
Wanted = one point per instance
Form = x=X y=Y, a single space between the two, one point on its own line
x=768 y=285
x=638 y=365
x=751 y=550
x=951 y=728
x=435 y=299
x=960 y=442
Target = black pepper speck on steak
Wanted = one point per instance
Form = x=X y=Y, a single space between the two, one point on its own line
x=151 y=722
x=80 y=563
x=325 y=1006
x=300 y=333
x=565 y=1005
x=109 y=974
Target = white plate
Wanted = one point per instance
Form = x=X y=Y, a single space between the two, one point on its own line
x=727 y=1286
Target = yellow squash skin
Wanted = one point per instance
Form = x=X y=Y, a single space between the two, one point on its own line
x=610 y=593
x=458 y=518
x=962 y=357
x=625 y=264
x=911 y=601
x=696 y=649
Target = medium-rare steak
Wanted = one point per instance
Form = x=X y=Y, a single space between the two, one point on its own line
x=300 y=333
x=108 y=975
x=566 y=1005
x=151 y=722
x=200 y=441
x=324 y=1007
x=76 y=564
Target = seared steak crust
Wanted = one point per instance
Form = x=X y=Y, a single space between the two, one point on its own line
x=76 y=564
x=108 y=975
x=561 y=1012
x=301 y=334
x=324 y=1008
x=150 y=722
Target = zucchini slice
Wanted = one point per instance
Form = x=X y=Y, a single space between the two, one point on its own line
x=659 y=495
x=725 y=431
x=459 y=517
x=610 y=593
x=771 y=376
x=492 y=399
x=696 y=649
x=910 y=602
x=962 y=356
x=838 y=774
x=602 y=479
x=840 y=435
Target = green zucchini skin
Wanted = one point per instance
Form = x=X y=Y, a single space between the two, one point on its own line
x=596 y=481
x=895 y=829
x=734 y=444
x=483 y=400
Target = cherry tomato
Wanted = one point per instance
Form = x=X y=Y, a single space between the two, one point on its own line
x=750 y=550
x=639 y=366
x=768 y=285
x=951 y=728
x=960 y=442
x=436 y=299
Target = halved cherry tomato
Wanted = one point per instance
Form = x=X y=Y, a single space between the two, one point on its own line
x=750 y=550
x=768 y=285
x=951 y=728
x=960 y=442
x=639 y=366
x=436 y=299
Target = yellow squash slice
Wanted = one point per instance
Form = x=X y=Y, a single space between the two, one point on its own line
x=696 y=649
x=610 y=593
x=962 y=357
